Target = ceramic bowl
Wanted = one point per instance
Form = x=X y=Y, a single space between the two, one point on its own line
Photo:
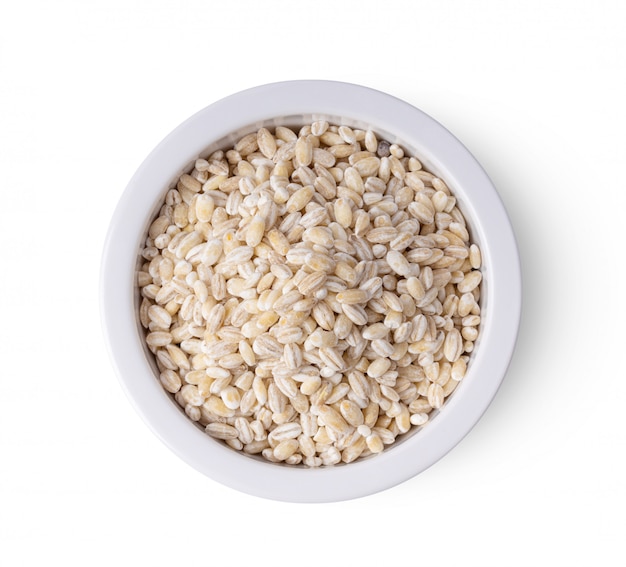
x=293 y=104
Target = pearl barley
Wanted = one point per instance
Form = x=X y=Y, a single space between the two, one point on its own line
x=310 y=296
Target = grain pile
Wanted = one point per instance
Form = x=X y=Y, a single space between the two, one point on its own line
x=310 y=296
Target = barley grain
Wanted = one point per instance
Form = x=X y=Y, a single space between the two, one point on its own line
x=221 y=431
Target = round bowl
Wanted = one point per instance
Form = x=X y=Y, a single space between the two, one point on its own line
x=295 y=103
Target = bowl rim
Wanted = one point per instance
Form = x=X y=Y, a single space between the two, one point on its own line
x=443 y=154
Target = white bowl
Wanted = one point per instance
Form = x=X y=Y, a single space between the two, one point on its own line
x=293 y=104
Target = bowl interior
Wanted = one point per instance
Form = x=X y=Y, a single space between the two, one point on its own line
x=295 y=123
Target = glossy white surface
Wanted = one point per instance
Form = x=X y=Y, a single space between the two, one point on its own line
x=295 y=103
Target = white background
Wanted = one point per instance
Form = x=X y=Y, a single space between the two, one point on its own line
x=535 y=89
